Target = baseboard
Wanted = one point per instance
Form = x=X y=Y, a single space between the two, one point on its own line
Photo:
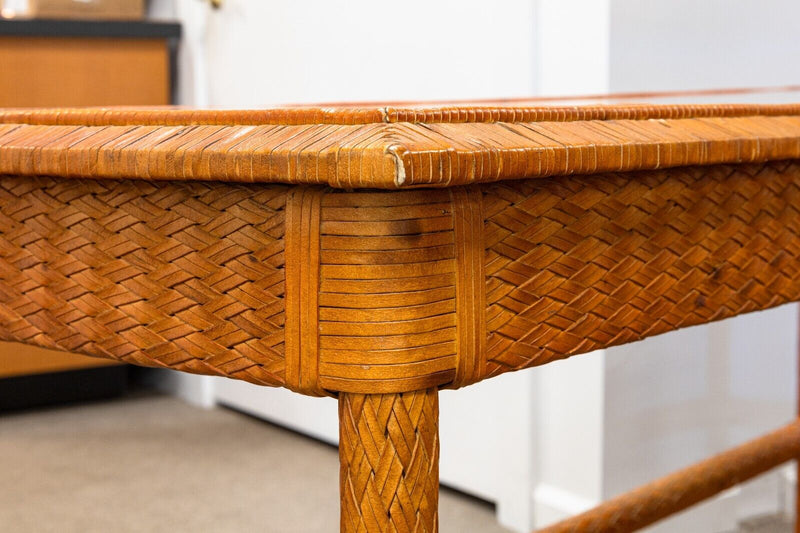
x=191 y=388
x=773 y=493
x=788 y=477
x=552 y=504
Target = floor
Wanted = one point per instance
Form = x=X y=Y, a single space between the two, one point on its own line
x=153 y=463
x=766 y=524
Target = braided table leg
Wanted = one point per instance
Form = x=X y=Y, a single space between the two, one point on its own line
x=389 y=453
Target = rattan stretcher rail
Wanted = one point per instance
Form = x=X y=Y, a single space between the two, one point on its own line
x=378 y=253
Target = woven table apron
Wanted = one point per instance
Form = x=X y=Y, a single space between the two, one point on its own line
x=380 y=253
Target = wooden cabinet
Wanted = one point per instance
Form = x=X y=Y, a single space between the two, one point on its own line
x=73 y=71
x=46 y=63
x=55 y=63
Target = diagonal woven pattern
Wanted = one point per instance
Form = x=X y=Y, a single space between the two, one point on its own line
x=178 y=275
x=582 y=263
x=389 y=455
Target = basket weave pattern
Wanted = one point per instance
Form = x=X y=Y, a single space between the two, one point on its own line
x=179 y=275
x=388 y=294
x=581 y=263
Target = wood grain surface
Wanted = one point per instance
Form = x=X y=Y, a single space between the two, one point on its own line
x=72 y=71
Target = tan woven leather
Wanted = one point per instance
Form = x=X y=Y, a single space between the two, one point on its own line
x=677 y=491
x=389 y=456
x=323 y=290
x=387 y=303
x=389 y=148
x=178 y=275
x=576 y=264
x=302 y=245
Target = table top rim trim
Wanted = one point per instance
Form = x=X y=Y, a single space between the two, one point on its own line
x=429 y=147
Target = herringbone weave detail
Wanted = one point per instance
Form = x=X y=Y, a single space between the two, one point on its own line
x=580 y=263
x=389 y=456
x=177 y=275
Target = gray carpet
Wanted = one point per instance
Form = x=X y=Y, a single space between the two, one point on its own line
x=155 y=464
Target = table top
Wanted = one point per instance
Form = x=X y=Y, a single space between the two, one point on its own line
x=324 y=291
x=401 y=145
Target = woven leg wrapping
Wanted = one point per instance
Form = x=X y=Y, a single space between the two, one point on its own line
x=389 y=453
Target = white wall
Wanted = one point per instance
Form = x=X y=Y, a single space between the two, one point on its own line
x=571 y=45
x=315 y=50
x=686 y=44
x=676 y=399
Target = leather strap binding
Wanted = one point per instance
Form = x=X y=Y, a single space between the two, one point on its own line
x=302 y=289
x=470 y=285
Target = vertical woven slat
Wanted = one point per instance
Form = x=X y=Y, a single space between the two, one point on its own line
x=302 y=289
x=389 y=454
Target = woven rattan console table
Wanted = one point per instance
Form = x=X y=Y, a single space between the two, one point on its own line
x=378 y=253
